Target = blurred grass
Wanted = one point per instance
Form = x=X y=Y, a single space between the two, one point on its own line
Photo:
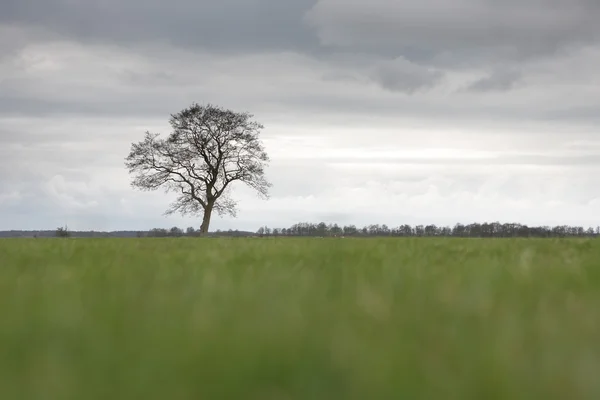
x=299 y=319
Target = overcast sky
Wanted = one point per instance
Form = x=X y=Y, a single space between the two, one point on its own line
x=379 y=111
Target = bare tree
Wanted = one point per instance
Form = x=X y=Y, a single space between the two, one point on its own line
x=209 y=148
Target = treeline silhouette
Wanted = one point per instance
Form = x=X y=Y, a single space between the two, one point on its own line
x=322 y=229
x=190 y=232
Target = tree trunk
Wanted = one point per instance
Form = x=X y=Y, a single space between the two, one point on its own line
x=206 y=219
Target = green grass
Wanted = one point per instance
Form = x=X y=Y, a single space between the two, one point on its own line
x=299 y=319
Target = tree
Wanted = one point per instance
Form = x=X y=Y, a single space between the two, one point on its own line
x=336 y=230
x=175 y=232
x=350 y=230
x=208 y=150
x=62 y=232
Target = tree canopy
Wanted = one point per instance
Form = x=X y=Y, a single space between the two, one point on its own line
x=208 y=150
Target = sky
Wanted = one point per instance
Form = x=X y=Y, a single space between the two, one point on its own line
x=379 y=111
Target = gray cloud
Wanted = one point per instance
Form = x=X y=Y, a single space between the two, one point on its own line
x=400 y=75
x=222 y=26
x=575 y=114
x=423 y=29
x=502 y=80
x=418 y=30
x=580 y=160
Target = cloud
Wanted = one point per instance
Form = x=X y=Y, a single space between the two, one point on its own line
x=502 y=80
x=400 y=75
x=239 y=26
x=473 y=29
x=8 y=198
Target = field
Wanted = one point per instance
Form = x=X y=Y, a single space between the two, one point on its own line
x=295 y=318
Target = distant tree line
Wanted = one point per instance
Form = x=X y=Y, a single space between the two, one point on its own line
x=483 y=230
x=322 y=229
x=190 y=232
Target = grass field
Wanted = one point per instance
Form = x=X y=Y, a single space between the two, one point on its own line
x=299 y=319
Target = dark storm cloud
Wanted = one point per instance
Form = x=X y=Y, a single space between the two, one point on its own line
x=223 y=25
x=420 y=29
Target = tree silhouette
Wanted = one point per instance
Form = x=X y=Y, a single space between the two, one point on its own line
x=209 y=149
x=62 y=232
x=474 y=230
